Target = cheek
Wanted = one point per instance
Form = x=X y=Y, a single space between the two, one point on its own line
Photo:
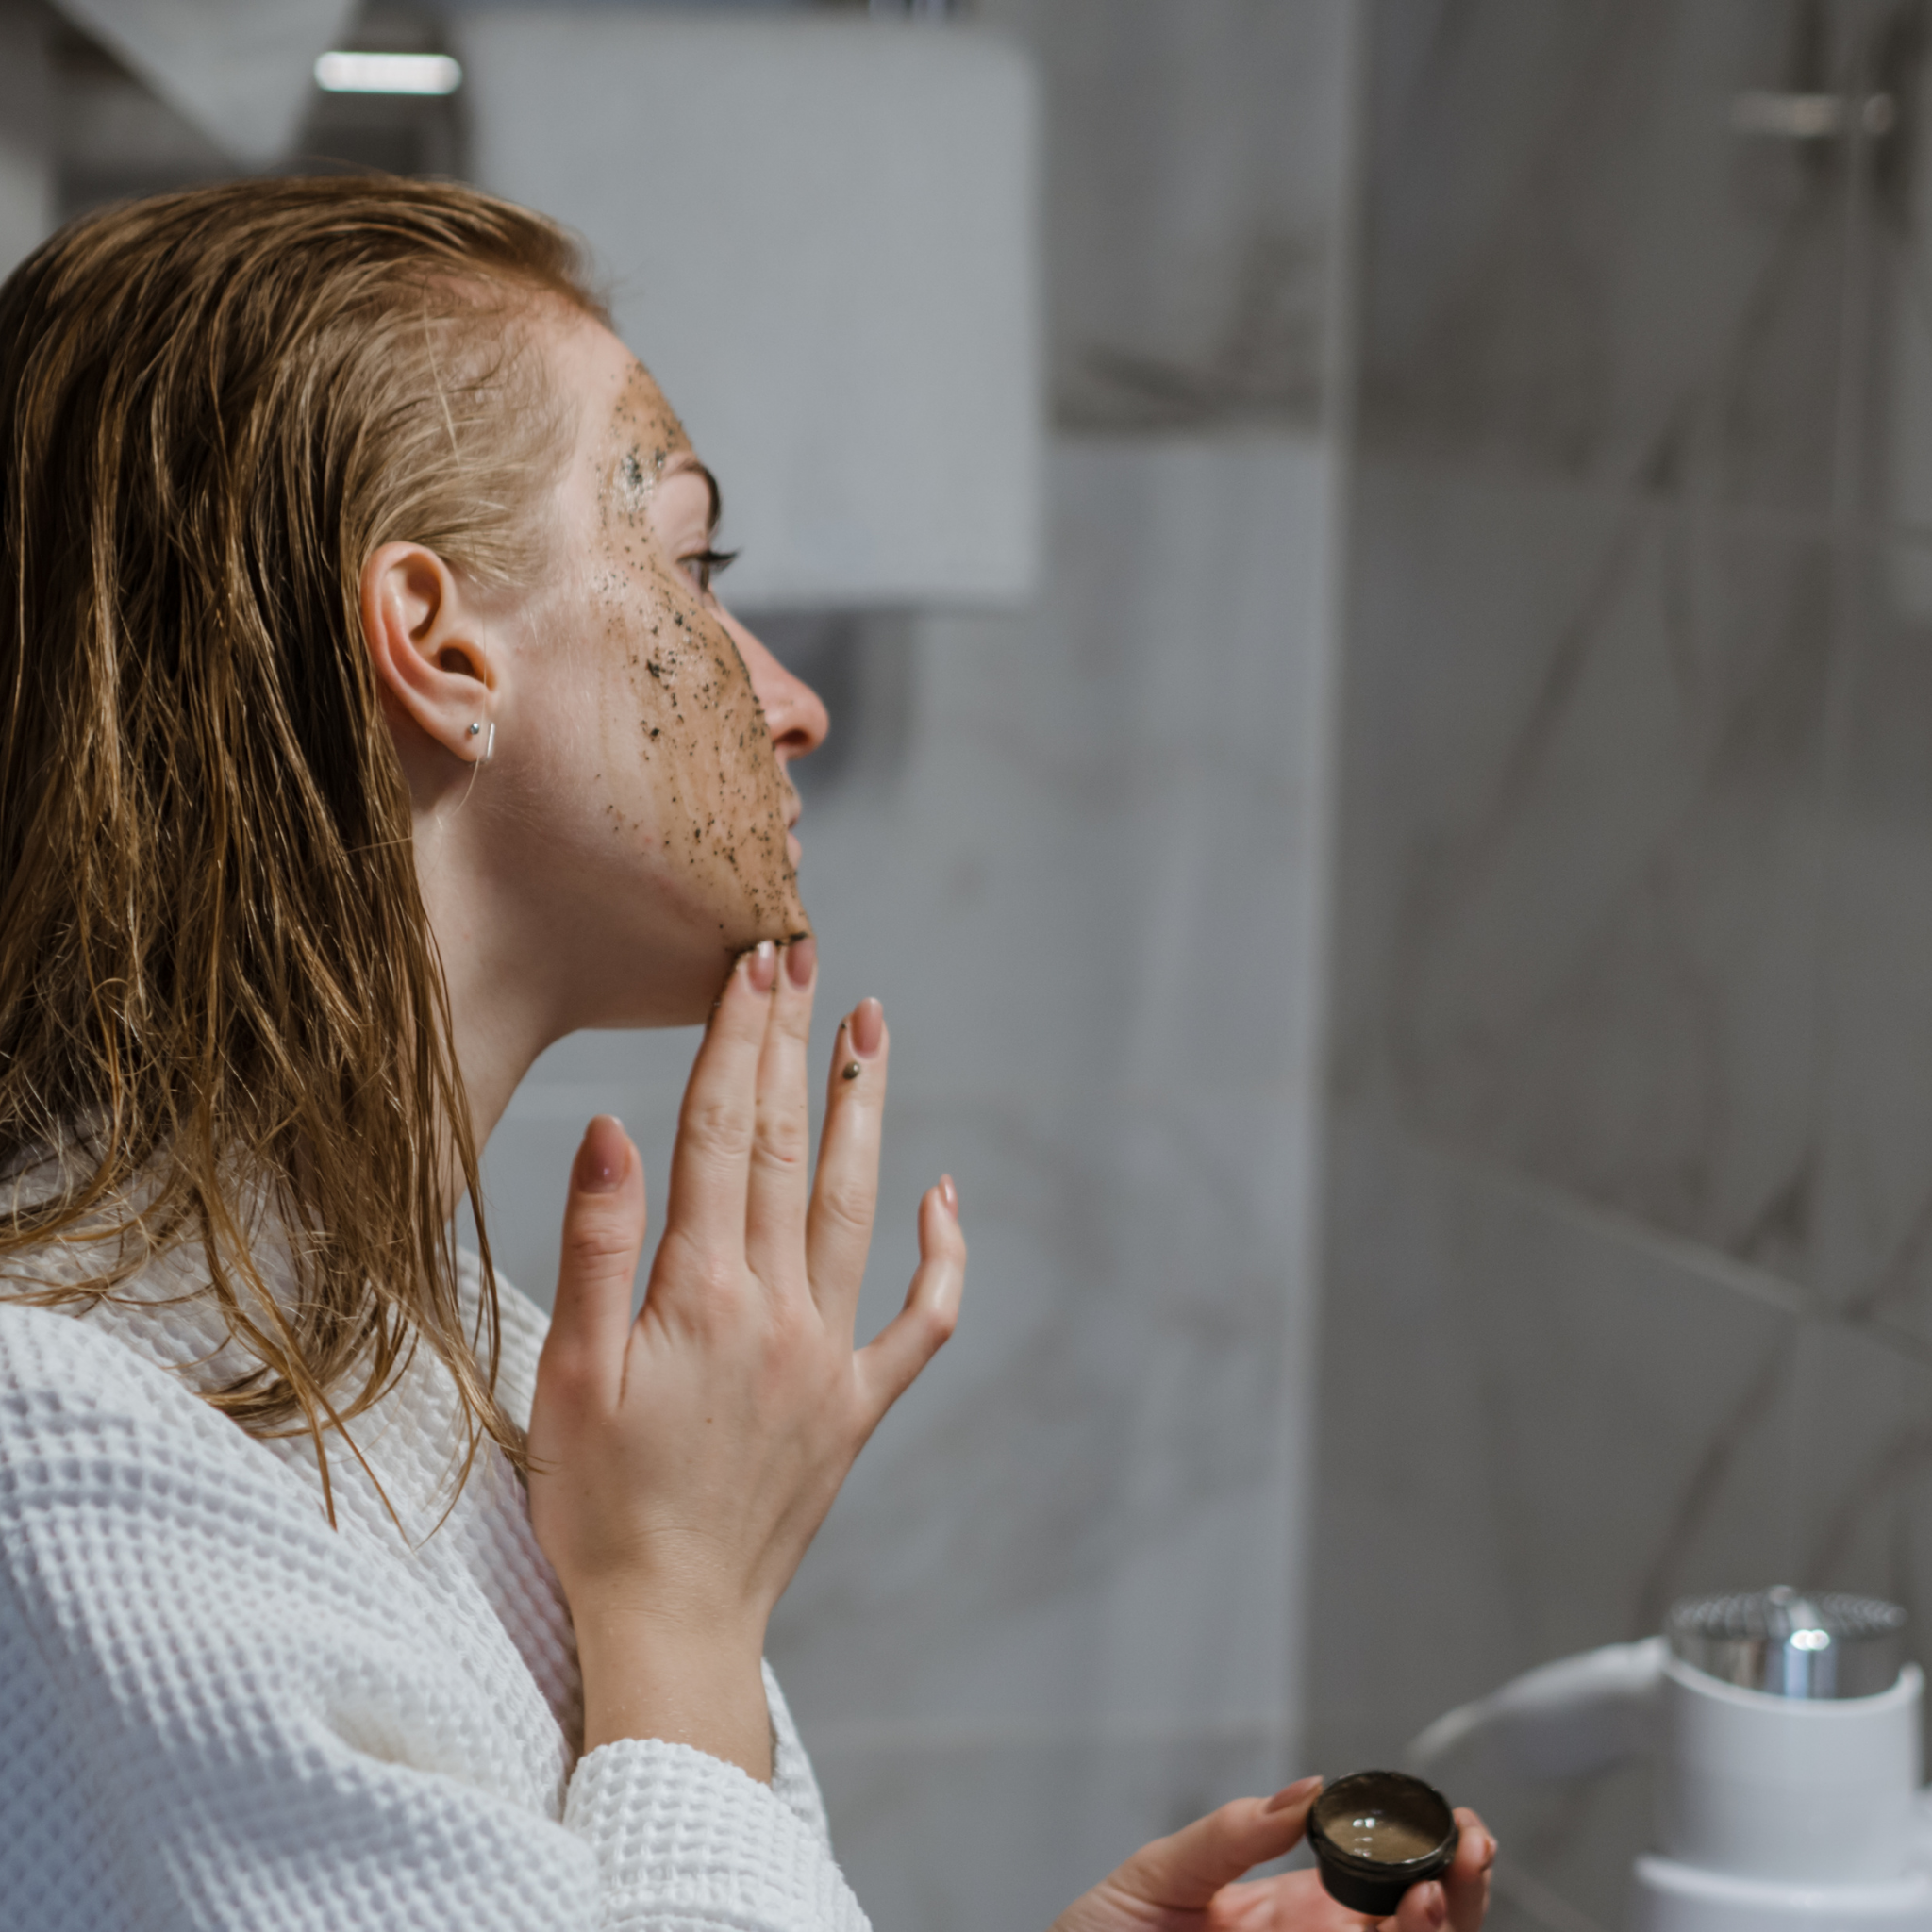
x=684 y=717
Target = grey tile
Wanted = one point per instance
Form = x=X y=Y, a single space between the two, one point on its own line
x=1863 y=1456
x=1556 y=1847
x=1874 y=1196
x=1579 y=877
x=1895 y=480
x=1863 y=1473
x=1197 y=171
x=1086 y=1511
x=1539 y=1426
x=1901 y=1515
x=1575 y=266
x=1566 y=1851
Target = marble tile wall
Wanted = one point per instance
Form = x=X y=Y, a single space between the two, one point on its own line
x=1079 y=851
x=1628 y=1270
x=1200 y=156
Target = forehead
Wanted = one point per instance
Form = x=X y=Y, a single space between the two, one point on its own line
x=621 y=411
x=638 y=418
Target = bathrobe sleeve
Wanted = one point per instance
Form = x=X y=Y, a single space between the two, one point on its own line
x=217 y=1711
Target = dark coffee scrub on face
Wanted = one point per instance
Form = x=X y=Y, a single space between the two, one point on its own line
x=1376 y=1833
x=697 y=721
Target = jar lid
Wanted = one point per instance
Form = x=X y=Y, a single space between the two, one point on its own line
x=1790 y=1644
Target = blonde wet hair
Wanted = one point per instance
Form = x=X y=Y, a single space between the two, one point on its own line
x=218 y=984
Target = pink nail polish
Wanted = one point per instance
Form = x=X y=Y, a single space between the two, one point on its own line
x=950 y=1195
x=801 y=960
x=600 y=1162
x=762 y=966
x=868 y=1028
x=1293 y=1794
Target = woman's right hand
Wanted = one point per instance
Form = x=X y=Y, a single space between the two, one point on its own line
x=1192 y=1880
x=681 y=1462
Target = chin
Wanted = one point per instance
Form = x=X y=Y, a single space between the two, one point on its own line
x=680 y=983
x=686 y=1000
x=780 y=923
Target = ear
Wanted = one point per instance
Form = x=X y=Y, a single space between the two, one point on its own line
x=429 y=648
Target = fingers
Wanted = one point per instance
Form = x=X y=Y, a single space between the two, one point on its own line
x=710 y=1163
x=1467 y=1881
x=779 y=1183
x=1458 y=1900
x=1423 y=1910
x=603 y=1237
x=1293 y=1899
x=1183 y=1872
x=839 y=1232
x=888 y=1363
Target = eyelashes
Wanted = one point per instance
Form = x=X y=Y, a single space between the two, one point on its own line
x=705 y=565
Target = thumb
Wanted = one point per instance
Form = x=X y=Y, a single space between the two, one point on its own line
x=1183 y=1872
x=603 y=1237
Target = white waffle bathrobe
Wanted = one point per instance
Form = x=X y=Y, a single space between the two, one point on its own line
x=215 y=1710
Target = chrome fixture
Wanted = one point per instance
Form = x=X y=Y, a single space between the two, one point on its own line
x=1792 y=1645
x=1811 y=117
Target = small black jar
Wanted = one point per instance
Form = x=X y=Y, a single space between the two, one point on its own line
x=1375 y=1833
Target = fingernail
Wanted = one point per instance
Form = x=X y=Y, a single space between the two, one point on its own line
x=950 y=1195
x=600 y=1160
x=1489 y=1850
x=801 y=960
x=868 y=1028
x=762 y=966
x=1293 y=1794
x=1436 y=1903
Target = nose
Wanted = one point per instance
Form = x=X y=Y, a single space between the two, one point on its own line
x=795 y=713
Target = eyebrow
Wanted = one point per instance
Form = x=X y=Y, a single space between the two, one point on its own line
x=685 y=464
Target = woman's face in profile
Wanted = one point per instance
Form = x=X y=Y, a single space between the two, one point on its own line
x=653 y=731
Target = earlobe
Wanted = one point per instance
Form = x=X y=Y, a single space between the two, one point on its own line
x=428 y=649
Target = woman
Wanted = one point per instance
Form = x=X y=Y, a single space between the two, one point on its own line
x=370 y=723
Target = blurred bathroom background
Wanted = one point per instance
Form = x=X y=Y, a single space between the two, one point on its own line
x=1408 y=912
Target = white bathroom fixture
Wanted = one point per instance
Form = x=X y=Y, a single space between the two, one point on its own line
x=819 y=237
x=1786 y=1734
x=241 y=70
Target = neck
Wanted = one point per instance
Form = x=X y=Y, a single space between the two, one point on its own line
x=501 y=1011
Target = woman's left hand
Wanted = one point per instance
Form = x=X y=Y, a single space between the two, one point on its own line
x=1190 y=1882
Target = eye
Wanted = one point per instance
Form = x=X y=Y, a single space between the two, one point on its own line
x=703 y=565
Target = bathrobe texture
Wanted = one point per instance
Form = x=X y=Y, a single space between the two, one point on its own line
x=215 y=1710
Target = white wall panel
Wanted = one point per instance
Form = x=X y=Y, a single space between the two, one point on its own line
x=820 y=238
